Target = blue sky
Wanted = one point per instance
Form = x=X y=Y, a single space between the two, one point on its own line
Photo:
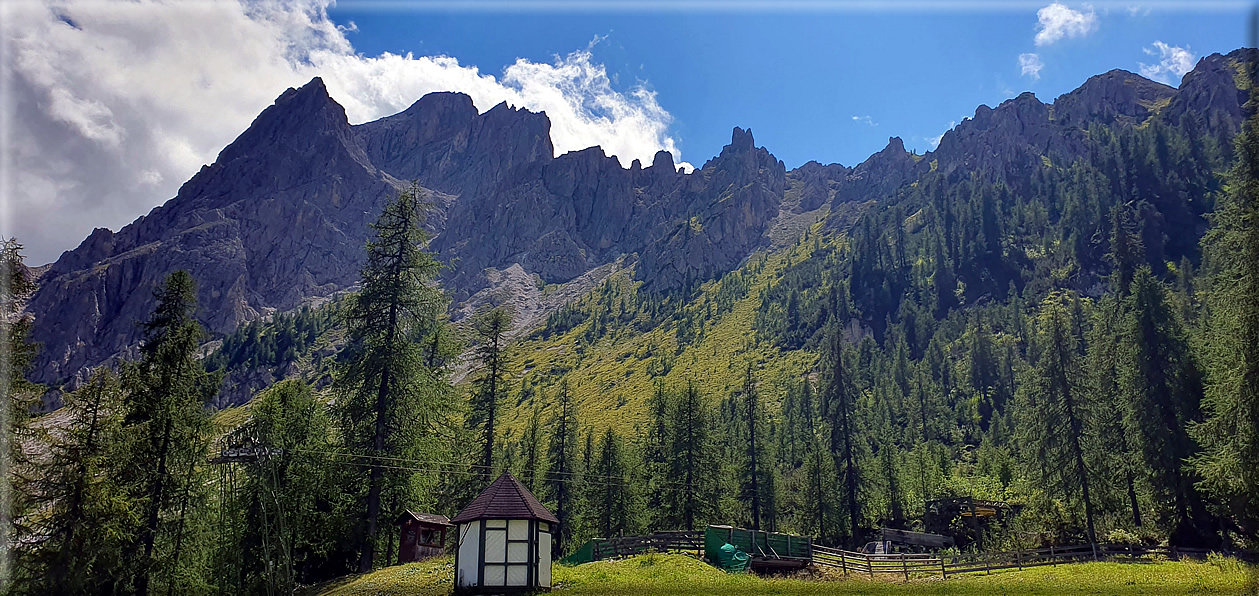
x=798 y=79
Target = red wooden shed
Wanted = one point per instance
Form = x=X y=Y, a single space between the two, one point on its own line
x=422 y=535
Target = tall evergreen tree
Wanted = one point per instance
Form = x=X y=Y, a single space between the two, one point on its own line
x=840 y=407
x=1058 y=407
x=1229 y=463
x=168 y=428
x=88 y=519
x=491 y=386
x=388 y=396
x=752 y=475
x=1162 y=390
x=561 y=474
x=610 y=486
x=691 y=465
x=17 y=397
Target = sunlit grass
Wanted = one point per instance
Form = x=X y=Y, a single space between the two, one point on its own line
x=684 y=575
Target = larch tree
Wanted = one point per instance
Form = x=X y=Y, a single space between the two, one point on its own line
x=388 y=395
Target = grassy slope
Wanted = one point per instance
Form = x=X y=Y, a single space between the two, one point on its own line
x=680 y=574
x=611 y=380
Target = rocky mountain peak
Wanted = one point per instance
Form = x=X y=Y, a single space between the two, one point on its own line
x=307 y=110
x=1110 y=97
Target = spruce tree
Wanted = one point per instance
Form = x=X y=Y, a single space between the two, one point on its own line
x=610 y=487
x=17 y=397
x=752 y=474
x=1229 y=463
x=89 y=517
x=691 y=465
x=1162 y=389
x=387 y=394
x=489 y=389
x=168 y=429
x=1059 y=408
x=561 y=457
x=839 y=405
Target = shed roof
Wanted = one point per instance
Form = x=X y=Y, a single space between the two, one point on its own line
x=427 y=518
x=505 y=498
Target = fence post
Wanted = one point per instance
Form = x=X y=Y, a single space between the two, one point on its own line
x=1094 y=545
x=1053 y=559
x=869 y=566
x=944 y=574
x=987 y=563
x=842 y=562
x=1018 y=558
x=905 y=567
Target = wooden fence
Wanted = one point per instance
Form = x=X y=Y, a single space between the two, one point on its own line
x=625 y=546
x=908 y=564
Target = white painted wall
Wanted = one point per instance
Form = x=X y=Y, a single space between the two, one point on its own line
x=469 y=554
x=544 y=559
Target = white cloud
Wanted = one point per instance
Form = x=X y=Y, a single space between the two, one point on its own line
x=1138 y=11
x=1173 y=63
x=1031 y=65
x=935 y=141
x=865 y=119
x=1056 y=21
x=109 y=107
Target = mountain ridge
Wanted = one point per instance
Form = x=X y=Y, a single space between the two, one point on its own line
x=280 y=218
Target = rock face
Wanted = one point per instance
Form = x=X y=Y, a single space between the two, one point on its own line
x=282 y=215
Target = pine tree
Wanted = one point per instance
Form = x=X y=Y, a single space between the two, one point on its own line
x=840 y=410
x=489 y=389
x=561 y=474
x=168 y=428
x=610 y=487
x=1162 y=389
x=531 y=451
x=1055 y=415
x=286 y=492
x=691 y=465
x=89 y=517
x=17 y=397
x=1229 y=463
x=752 y=474
x=657 y=446
x=388 y=396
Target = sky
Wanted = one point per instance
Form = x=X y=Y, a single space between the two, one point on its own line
x=108 y=107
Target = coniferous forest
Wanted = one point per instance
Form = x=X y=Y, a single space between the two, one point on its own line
x=1078 y=342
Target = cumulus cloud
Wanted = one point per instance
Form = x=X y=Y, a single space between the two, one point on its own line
x=865 y=119
x=1031 y=65
x=1173 y=63
x=109 y=107
x=1056 y=21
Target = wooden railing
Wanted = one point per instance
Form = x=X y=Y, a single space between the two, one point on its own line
x=944 y=565
x=624 y=546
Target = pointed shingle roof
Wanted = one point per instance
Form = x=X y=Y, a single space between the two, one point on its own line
x=505 y=498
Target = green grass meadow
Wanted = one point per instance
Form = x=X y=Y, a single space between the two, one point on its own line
x=686 y=575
